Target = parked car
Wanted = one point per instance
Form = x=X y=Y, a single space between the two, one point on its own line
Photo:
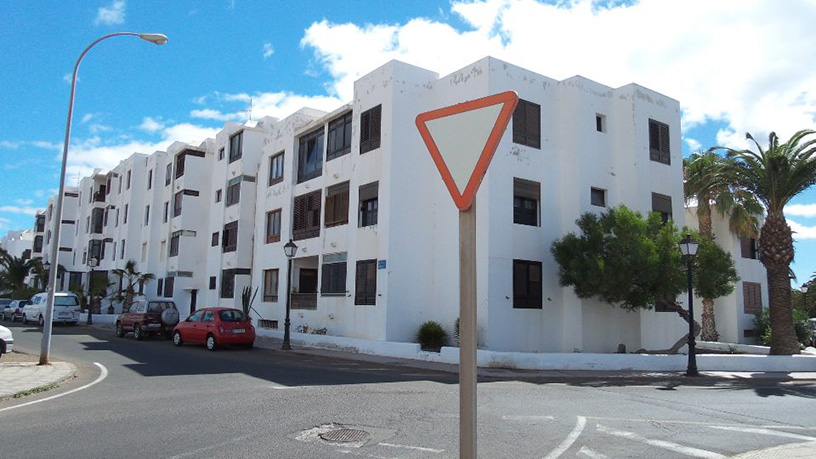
x=4 y=303
x=812 y=332
x=66 y=308
x=147 y=318
x=14 y=310
x=6 y=341
x=214 y=327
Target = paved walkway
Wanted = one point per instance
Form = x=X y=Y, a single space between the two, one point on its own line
x=16 y=377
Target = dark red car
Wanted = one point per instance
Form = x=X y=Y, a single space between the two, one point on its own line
x=214 y=327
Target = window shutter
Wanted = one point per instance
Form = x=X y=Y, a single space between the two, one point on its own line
x=359 y=283
x=368 y=191
x=534 y=125
x=330 y=212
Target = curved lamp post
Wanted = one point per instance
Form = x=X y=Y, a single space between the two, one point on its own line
x=155 y=38
x=290 y=249
x=688 y=247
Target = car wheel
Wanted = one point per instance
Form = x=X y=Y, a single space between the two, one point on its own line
x=177 y=339
x=138 y=333
x=25 y=320
x=248 y=345
x=211 y=343
x=120 y=332
x=41 y=321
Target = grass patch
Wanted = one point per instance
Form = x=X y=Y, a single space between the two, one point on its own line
x=35 y=390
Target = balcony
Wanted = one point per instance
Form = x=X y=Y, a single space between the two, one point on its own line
x=304 y=301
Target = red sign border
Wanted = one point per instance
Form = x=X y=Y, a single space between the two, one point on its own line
x=509 y=99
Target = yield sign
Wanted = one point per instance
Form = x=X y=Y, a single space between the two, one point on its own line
x=462 y=139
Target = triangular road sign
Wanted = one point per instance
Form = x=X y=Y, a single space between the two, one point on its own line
x=462 y=139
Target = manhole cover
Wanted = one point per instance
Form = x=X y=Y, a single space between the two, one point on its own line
x=344 y=435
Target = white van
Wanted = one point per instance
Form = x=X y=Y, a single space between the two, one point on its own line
x=66 y=308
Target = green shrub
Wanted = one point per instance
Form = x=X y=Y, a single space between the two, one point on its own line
x=431 y=335
x=762 y=327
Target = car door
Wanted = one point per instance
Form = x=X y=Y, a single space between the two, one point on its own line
x=192 y=330
x=208 y=324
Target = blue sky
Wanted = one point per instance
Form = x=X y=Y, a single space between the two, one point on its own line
x=735 y=66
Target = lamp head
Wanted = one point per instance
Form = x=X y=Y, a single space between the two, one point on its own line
x=156 y=38
x=290 y=249
x=688 y=246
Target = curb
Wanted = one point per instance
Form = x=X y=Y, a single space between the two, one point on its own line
x=64 y=370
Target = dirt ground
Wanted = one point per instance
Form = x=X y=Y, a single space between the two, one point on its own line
x=16 y=357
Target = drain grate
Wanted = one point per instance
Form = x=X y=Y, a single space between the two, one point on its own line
x=344 y=435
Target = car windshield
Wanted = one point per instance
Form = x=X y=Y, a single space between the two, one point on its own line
x=158 y=306
x=4 y=302
x=65 y=301
x=231 y=315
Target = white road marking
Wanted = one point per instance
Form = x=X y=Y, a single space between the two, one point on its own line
x=207 y=448
x=579 y=427
x=284 y=387
x=584 y=451
x=527 y=418
x=102 y=375
x=699 y=423
x=355 y=453
x=765 y=432
x=687 y=450
x=417 y=448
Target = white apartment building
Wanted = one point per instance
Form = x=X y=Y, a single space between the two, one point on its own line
x=69 y=279
x=376 y=229
x=19 y=243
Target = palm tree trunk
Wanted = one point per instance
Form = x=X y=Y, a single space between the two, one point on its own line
x=776 y=253
x=707 y=318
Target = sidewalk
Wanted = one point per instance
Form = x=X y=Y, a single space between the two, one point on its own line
x=20 y=373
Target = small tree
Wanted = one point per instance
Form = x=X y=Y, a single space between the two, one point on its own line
x=631 y=261
x=131 y=278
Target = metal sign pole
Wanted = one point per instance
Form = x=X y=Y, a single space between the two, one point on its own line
x=467 y=333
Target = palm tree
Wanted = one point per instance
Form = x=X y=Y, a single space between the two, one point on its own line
x=705 y=184
x=41 y=274
x=775 y=176
x=14 y=271
x=133 y=278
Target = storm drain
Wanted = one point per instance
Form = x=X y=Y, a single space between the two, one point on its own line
x=344 y=436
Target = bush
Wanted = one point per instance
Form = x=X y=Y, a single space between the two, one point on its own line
x=431 y=335
x=762 y=327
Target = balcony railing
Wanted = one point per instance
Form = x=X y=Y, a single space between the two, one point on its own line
x=304 y=301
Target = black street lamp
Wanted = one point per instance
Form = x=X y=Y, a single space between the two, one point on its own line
x=804 y=290
x=93 y=263
x=290 y=249
x=688 y=247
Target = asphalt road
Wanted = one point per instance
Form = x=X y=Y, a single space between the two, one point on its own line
x=162 y=401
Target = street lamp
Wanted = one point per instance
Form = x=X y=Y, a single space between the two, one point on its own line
x=93 y=263
x=290 y=249
x=155 y=38
x=804 y=290
x=688 y=247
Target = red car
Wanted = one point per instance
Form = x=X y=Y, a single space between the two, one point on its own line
x=215 y=327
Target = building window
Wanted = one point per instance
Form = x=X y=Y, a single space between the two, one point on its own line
x=97 y=220
x=147 y=216
x=122 y=254
x=526 y=196
x=310 y=156
x=600 y=122
x=306 y=219
x=175 y=240
x=212 y=278
x=276 y=169
x=752 y=297
x=129 y=173
x=333 y=276
x=270 y=286
x=527 y=124
x=236 y=146
x=227 y=283
x=166 y=212
x=662 y=204
x=38 y=244
x=95 y=249
x=125 y=216
x=162 y=249
x=180 y=164
x=365 y=283
x=748 y=248
x=218 y=195
x=214 y=241
x=368 y=204
x=221 y=153
x=233 y=191
x=229 y=237
x=160 y=287
x=526 y=284
x=150 y=179
x=370 y=129
x=177 y=204
x=659 y=142
x=273 y=226
x=144 y=251
x=597 y=197
x=169 y=283
x=339 y=140
x=337 y=204
x=168 y=174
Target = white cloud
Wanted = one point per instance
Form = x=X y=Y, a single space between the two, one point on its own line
x=9 y=144
x=97 y=128
x=112 y=14
x=210 y=114
x=268 y=50
x=801 y=210
x=87 y=117
x=47 y=145
x=721 y=59
x=693 y=144
x=276 y=104
x=150 y=124
x=802 y=232
x=19 y=210
x=24 y=202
